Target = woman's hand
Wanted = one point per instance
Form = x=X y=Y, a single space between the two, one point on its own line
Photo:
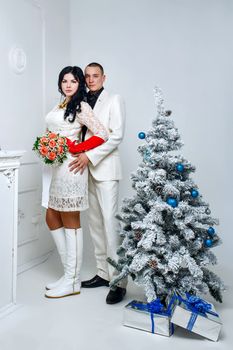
x=80 y=163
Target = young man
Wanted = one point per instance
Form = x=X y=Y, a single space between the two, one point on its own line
x=104 y=175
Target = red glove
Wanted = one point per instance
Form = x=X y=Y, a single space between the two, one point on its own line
x=92 y=142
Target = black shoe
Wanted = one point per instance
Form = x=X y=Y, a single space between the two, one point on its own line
x=96 y=281
x=115 y=296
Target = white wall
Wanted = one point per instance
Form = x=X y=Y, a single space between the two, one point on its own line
x=57 y=45
x=185 y=47
x=41 y=28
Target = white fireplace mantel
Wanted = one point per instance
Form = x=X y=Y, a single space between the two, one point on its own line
x=9 y=165
x=10 y=158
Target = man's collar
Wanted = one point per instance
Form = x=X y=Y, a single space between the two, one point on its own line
x=95 y=93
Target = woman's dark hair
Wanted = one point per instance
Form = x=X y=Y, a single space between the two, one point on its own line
x=73 y=105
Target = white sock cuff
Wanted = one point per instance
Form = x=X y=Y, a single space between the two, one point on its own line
x=58 y=230
x=78 y=230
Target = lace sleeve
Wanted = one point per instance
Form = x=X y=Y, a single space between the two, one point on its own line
x=88 y=118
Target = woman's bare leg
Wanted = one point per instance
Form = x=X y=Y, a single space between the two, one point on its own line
x=71 y=219
x=53 y=219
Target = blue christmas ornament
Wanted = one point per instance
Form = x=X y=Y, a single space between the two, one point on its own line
x=141 y=135
x=211 y=231
x=194 y=193
x=172 y=202
x=180 y=167
x=208 y=242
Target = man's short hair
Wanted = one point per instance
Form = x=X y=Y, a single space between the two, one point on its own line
x=95 y=64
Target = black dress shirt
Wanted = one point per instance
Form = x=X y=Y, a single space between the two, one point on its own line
x=91 y=99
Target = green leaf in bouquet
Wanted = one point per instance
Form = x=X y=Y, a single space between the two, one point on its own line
x=36 y=144
x=48 y=161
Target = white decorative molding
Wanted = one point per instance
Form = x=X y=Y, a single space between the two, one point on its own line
x=28 y=240
x=10 y=159
x=17 y=59
x=36 y=219
x=21 y=216
x=28 y=190
x=30 y=232
x=30 y=163
x=9 y=164
x=10 y=176
x=34 y=262
x=40 y=7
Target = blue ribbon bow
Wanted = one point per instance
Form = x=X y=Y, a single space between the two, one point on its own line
x=197 y=306
x=155 y=307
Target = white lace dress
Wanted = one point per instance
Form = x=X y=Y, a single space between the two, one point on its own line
x=69 y=191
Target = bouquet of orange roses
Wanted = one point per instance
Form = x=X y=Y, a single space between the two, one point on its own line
x=52 y=148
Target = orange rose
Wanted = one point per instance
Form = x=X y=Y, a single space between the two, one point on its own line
x=44 y=140
x=43 y=150
x=52 y=143
x=52 y=135
x=51 y=155
x=60 y=150
x=60 y=141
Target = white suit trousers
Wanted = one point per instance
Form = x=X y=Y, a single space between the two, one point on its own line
x=104 y=227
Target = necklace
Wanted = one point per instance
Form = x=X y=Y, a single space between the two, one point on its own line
x=63 y=104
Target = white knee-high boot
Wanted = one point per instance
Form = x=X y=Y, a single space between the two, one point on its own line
x=71 y=283
x=60 y=241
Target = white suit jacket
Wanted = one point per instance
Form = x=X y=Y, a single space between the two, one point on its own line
x=105 y=162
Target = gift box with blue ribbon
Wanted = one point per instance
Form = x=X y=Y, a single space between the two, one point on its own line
x=152 y=317
x=198 y=316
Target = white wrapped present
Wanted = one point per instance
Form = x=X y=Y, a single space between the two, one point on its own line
x=198 y=316
x=151 y=317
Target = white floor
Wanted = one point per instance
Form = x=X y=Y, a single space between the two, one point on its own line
x=85 y=321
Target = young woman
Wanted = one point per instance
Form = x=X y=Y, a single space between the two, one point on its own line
x=68 y=193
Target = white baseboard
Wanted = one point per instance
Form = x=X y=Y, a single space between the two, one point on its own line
x=34 y=262
x=8 y=309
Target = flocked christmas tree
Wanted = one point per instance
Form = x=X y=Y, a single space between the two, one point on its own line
x=167 y=228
